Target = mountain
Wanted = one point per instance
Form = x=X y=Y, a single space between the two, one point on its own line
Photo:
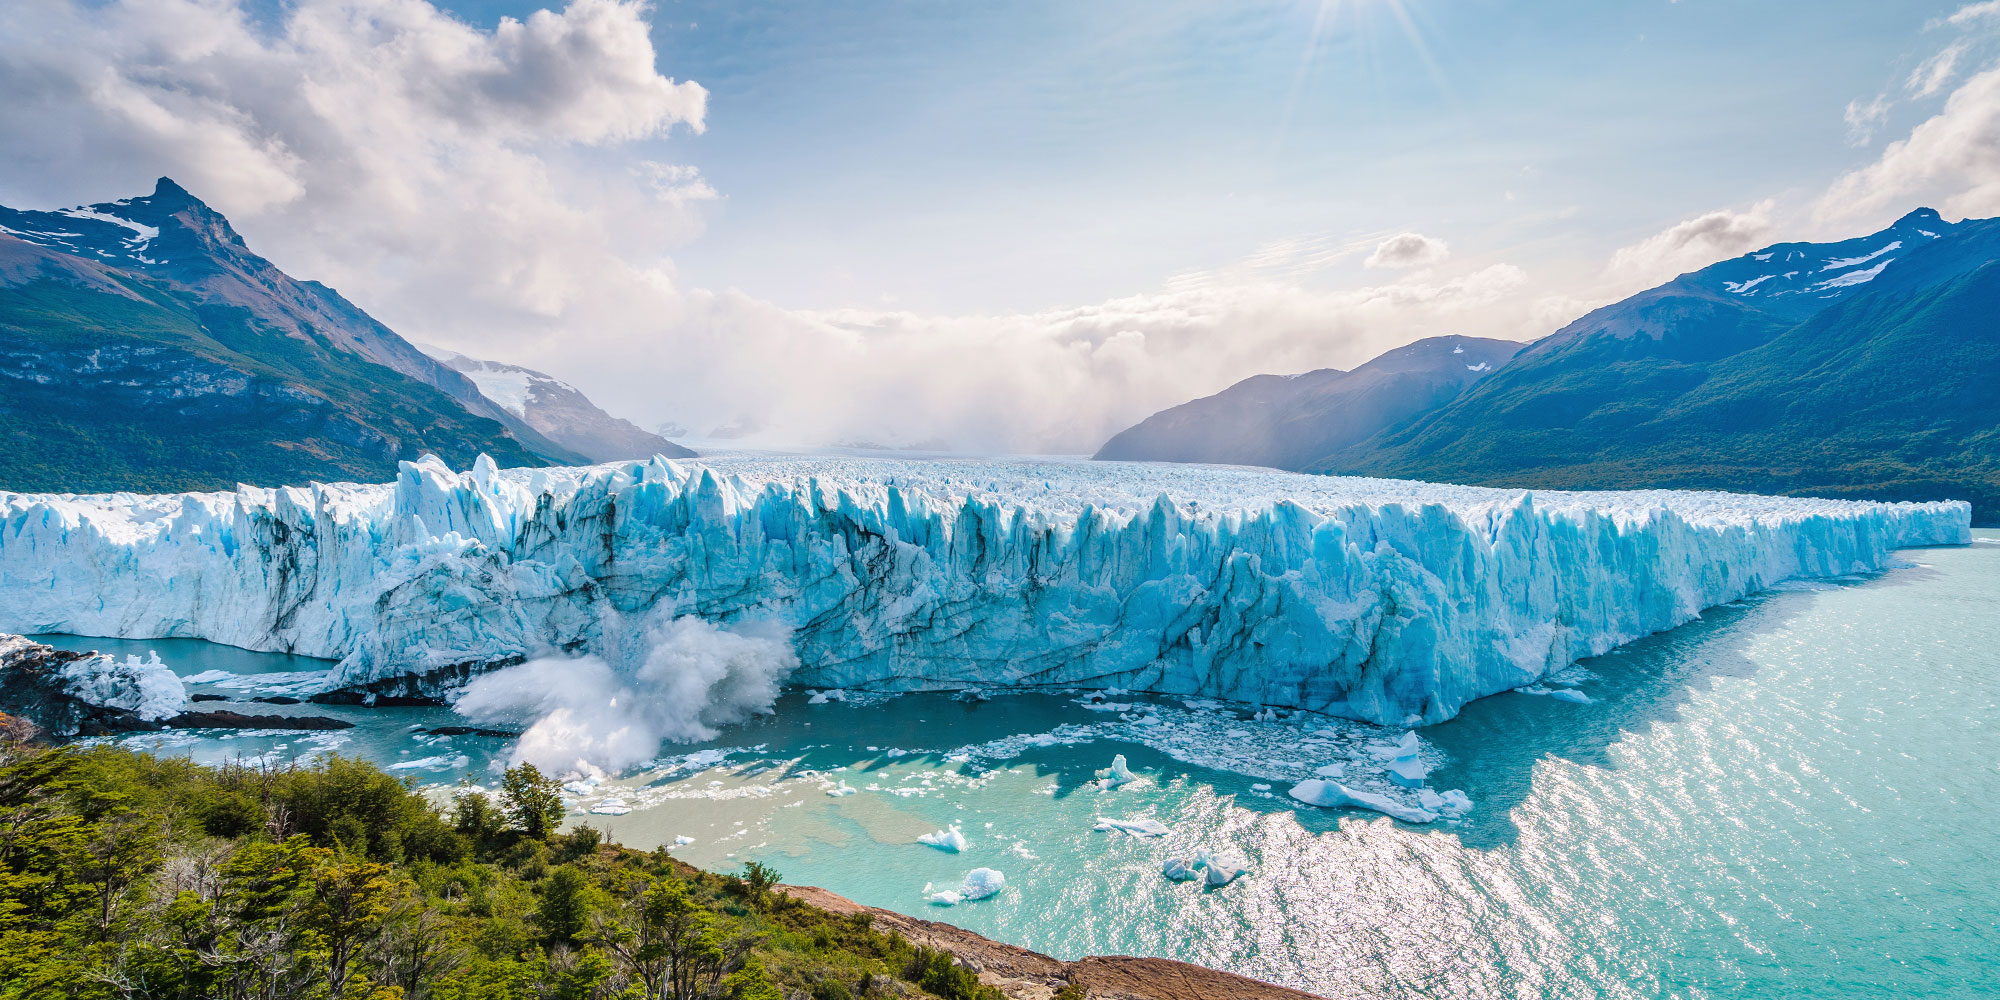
x=559 y=411
x=147 y=348
x=1292 y=421
x=1863 y=368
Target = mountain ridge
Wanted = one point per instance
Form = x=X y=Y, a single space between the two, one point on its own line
x=558 y=410
x=147 y=347
x=1785 y=369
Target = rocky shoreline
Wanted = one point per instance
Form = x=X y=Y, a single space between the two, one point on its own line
x=1022 y=974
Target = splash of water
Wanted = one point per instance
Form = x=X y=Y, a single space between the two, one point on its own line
x=677 y=679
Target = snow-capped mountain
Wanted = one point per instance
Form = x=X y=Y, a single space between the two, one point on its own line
x=1862 y=368
x=558 y=410
x=1291 y=421
x=1859 y=368
x=148 y=347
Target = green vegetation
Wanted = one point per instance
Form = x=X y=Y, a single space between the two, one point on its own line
x=128 y=876
x=1883 y=397
x=150 y=391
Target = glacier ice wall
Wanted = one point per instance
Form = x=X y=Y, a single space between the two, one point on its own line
x=1388 y=601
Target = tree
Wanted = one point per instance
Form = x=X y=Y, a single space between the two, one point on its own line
x=670 y=945
x=533 y=800
x=758 y=878
x=347 y=904
x=751 y=983
x=565 y=907
x=418 y=949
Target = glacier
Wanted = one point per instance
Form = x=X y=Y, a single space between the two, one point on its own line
x=1386 y=601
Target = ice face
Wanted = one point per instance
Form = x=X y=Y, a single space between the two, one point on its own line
x=1392 y=602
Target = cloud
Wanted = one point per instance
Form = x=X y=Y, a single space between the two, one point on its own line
x=1952 y=158
x=1974 y=12
x=1692 y=244
x=1932 y=74
x=1408 y=250
x=515 y=193
x=1864 y=119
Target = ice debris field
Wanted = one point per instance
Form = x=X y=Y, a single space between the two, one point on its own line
x=1385 y=601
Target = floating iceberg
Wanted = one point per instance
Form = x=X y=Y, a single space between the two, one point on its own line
x=950 y=839
x=1218 y=870
x=1179 y=870
x=1393 y=602
x=1119 y=773
x=979 y=883
x=841 y=790
x=1334 y=795
x=1450 y=803
x=1408 y=772
x=1133 y=827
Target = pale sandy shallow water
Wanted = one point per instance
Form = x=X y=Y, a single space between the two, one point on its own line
x=1797 y=795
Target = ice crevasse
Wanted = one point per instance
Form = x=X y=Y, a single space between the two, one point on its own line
x=1389 y=601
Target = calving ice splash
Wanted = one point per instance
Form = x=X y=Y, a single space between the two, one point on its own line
x=1385 y=601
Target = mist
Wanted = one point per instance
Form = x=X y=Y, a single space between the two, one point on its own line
x=673 y=680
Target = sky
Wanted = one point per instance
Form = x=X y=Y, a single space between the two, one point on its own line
x=995 y=227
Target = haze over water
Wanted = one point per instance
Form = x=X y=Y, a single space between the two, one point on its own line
x=1793 y=796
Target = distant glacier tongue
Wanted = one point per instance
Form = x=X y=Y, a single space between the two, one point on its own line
x=1394 y=602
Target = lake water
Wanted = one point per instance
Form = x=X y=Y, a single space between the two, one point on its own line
x=1797 y=795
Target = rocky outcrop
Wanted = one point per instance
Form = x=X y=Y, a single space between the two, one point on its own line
x=1030 y=975
x=66 y=693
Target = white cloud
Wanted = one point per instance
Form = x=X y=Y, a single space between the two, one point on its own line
x=1932 y=74
x=1952 y=159
x=1690 y=245
x=1408 y=250
x=1974 y=12
x=1864 y=119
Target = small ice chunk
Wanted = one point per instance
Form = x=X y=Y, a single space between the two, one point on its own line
x=1220 y=870
x=611 y=807
x=1118 y=773
x=1142 y=827
x=1451 y=803
x=683 y=840
x=1408 y=772
x=841 y=790
x=950 y=839
x=983 y=882
x=979 y=883
x=822 y=697
x=1178 y=870
x=1333 y=795
x=1260 y=787
x=1331 y=771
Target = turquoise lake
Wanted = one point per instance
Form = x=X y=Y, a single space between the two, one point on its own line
x=1797 y=795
